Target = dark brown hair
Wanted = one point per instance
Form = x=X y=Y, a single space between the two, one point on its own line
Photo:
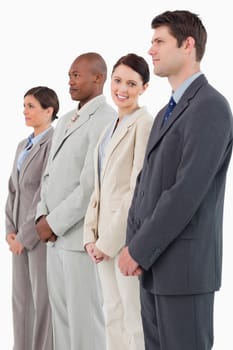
x=137 y=63
x=183 y=24
x=46 y=97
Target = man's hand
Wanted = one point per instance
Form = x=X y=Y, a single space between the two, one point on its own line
x=127 y=265
x=52 y=238
x=44 y=231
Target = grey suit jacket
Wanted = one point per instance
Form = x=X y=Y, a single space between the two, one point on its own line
x=68 y=180
x=24 y=191
x=175 y=221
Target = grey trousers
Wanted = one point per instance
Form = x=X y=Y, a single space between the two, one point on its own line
x=76 y=301
x=31 y=309
x=177 y=322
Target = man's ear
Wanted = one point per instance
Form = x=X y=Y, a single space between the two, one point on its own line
x=98 y=78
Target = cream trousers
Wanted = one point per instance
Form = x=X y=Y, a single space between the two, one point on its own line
x=122 y=308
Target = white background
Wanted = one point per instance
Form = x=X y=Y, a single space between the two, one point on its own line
x=39 y=41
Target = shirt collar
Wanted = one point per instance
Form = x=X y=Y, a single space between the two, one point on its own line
x=183 y=87
x=37 y=138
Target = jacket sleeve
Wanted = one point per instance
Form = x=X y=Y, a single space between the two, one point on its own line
x=11 y=197
x=112 y=240
x=90 y=230
x=207 y=146
x=27 y=234
x=9 y=222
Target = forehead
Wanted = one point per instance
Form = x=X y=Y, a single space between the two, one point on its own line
x=80 y=65
x=31 y=99
x=125 y=72
x=161 y=32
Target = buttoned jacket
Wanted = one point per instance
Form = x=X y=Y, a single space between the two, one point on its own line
x=24 y=190
x=106 y=217
x=68 y=180
x=175 y=221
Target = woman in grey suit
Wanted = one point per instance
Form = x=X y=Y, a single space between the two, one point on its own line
x=31 y=310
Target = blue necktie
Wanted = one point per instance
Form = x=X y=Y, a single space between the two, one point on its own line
x=171 y=105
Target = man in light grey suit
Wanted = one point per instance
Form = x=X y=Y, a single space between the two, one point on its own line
x=174 y=231
x=68 y=181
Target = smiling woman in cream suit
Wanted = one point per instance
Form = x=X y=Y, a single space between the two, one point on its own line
x=118 y=159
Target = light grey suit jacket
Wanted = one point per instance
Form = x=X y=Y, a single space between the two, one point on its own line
x=69 y=177
x=24 y=191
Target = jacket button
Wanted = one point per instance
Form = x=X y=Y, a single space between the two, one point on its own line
x=94 y=204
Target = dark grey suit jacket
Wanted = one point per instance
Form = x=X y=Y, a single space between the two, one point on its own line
x=175 y=221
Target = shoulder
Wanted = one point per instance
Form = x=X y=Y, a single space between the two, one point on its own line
x=48 y=135
x=105 y=110
x=22 y=143
x=212 y=106
x=103 y=115
x=65 y=118
x=145 y=114
x=144 y=119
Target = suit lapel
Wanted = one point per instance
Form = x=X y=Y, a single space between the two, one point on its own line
x=118 y=136
x=86 y=112
x=35 y=149
x=158 y=131
x=66 y=132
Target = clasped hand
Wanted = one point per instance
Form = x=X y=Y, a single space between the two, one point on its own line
x=95 y=254
x=127 y=265
x=44 y=230
x=14 y=245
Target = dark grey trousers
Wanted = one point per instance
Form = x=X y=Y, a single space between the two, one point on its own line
x=183 y=322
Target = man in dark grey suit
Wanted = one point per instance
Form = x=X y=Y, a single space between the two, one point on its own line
x=174 y=232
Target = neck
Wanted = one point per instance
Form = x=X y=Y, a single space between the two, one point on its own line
x=177 y=79
x=87 y=99
x=38 y=131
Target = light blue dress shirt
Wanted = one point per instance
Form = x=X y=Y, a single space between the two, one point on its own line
x=181 y=89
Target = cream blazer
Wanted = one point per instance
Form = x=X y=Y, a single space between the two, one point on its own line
x=107 y=212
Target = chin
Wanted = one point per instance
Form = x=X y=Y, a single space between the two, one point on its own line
x=73 y=97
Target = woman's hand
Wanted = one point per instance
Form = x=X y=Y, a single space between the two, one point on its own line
x=95 y=254
x=99 y=255
x=15 y=246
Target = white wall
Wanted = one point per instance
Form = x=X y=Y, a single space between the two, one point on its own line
x=39 y=41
